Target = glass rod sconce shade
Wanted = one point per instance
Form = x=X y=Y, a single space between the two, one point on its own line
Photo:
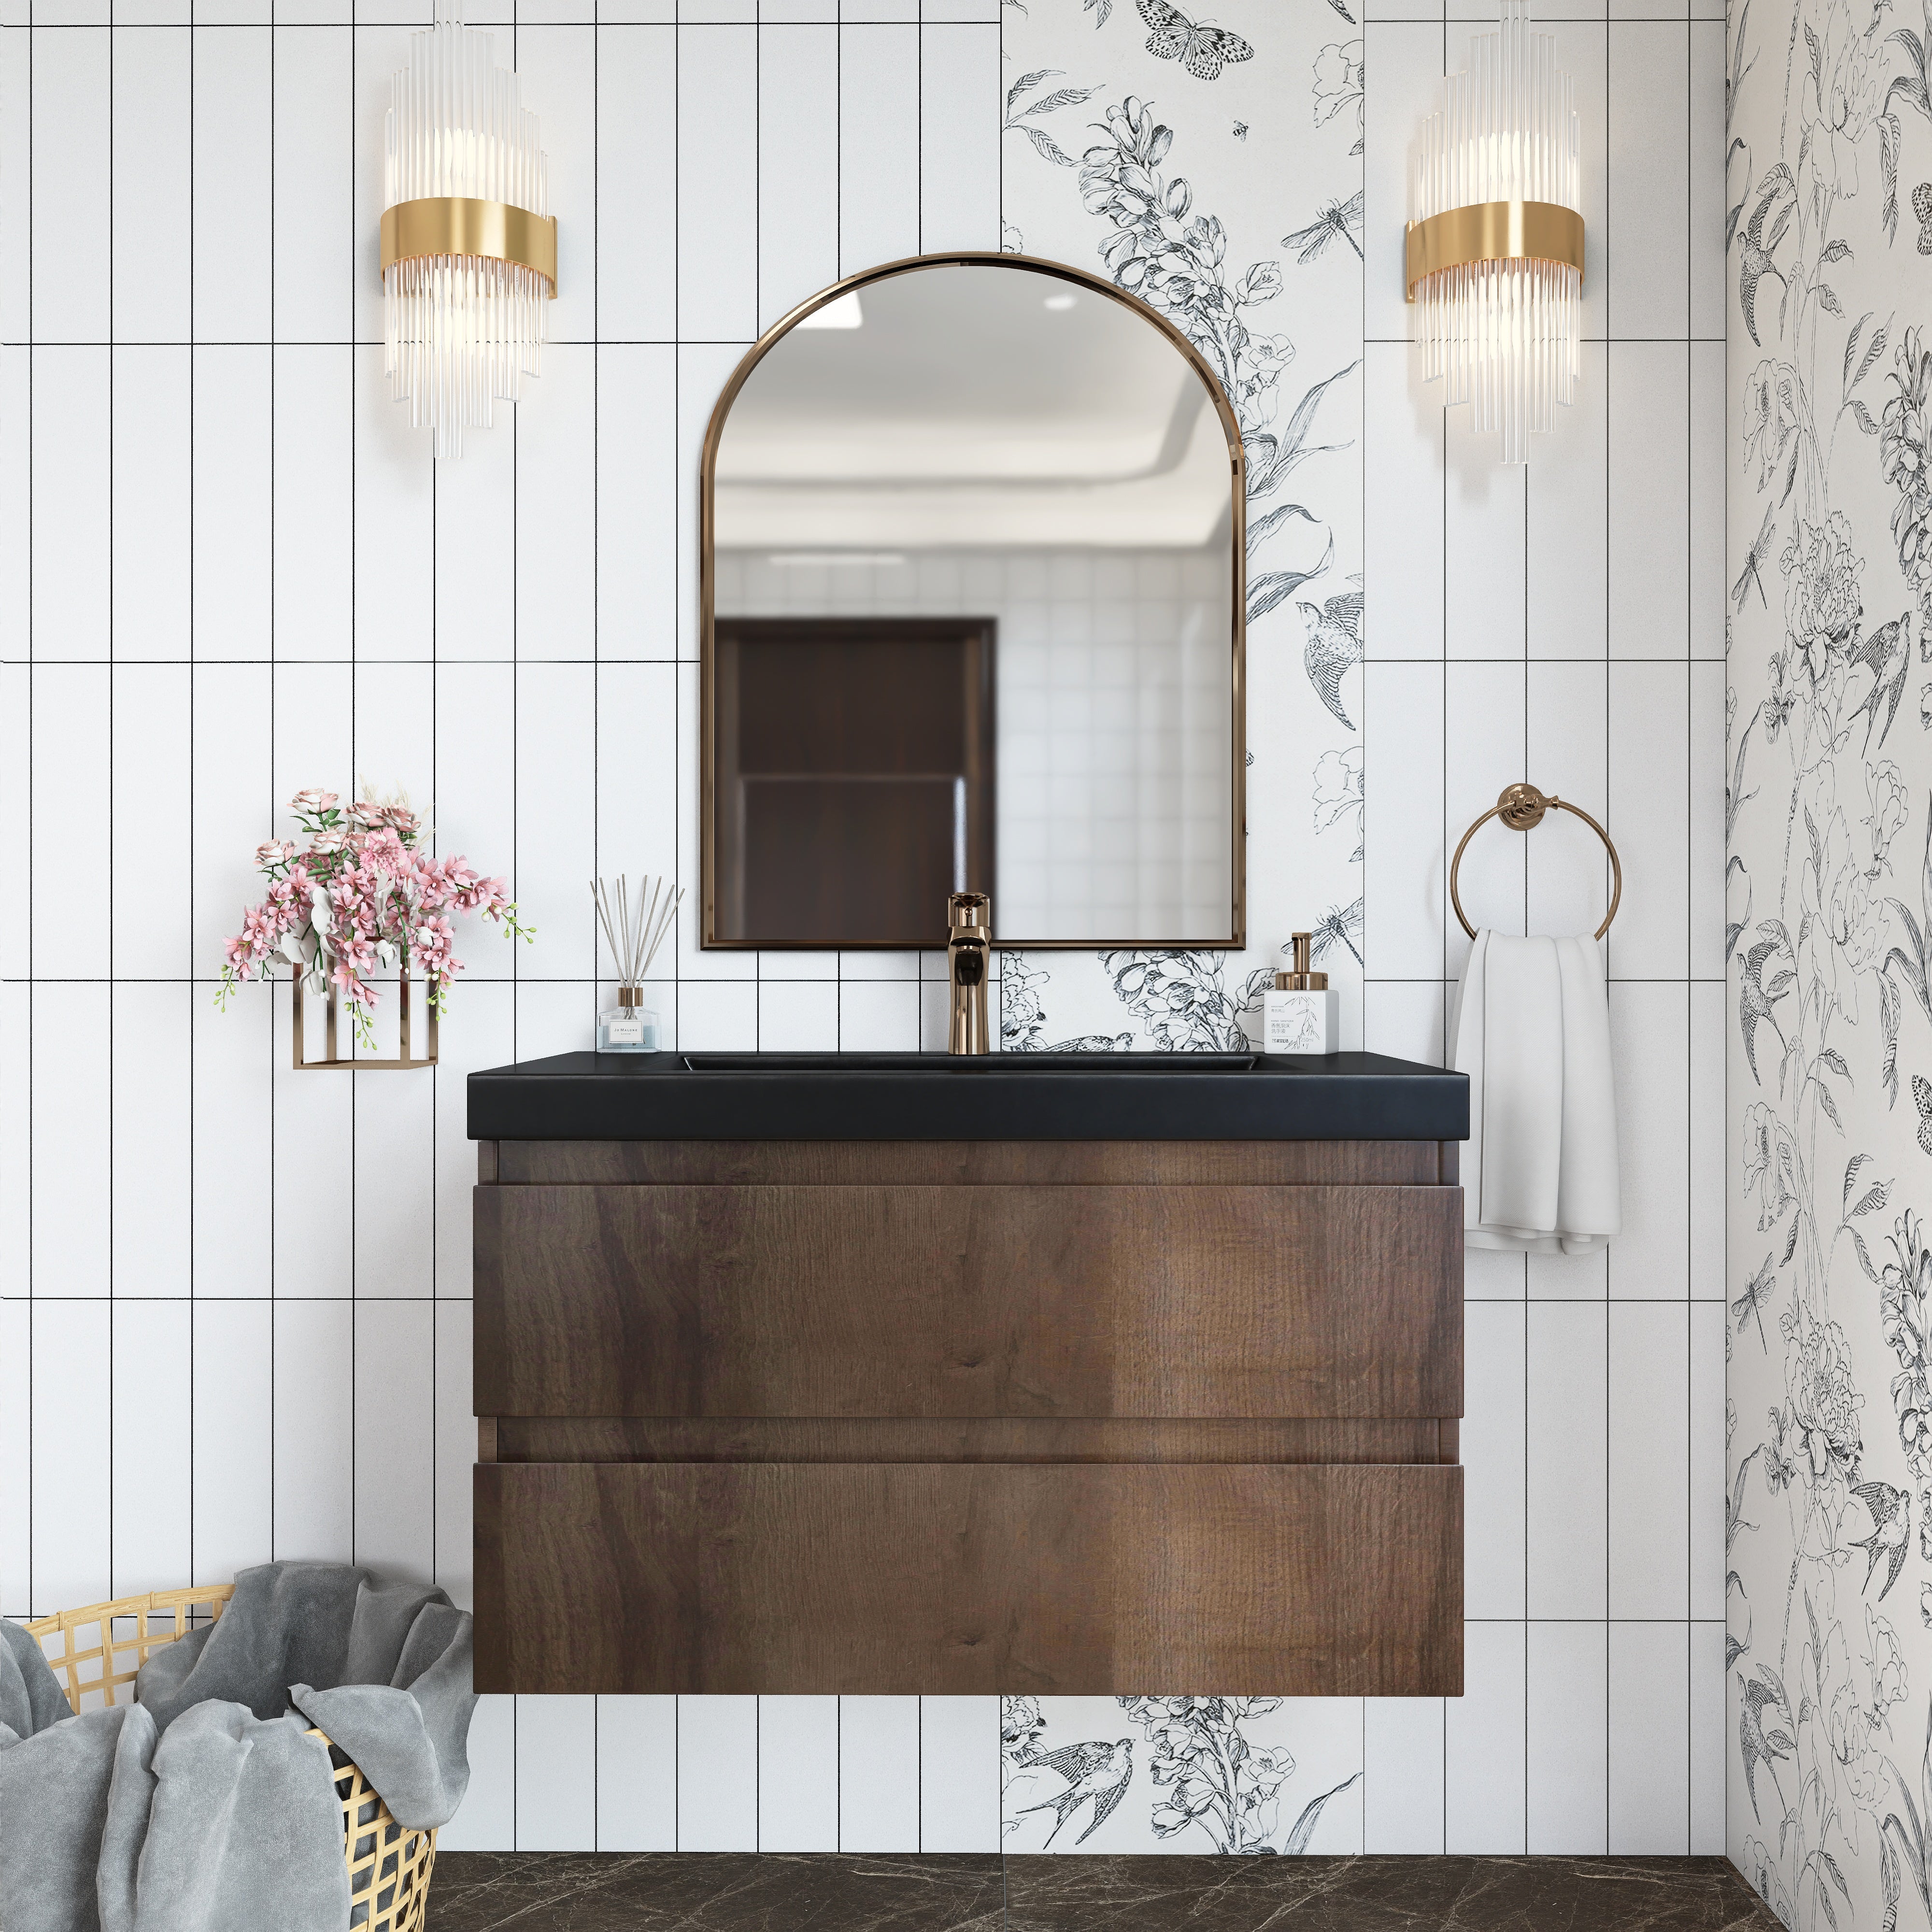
x=468 y=251
x=1496 y=234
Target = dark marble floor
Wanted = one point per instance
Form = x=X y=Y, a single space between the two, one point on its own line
x=738 y=1891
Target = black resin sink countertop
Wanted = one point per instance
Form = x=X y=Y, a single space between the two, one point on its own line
x=936 y=1096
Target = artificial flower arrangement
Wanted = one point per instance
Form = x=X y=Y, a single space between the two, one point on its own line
x=361 y=898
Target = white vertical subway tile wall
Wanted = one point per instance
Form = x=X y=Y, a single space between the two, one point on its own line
x=234 y=1312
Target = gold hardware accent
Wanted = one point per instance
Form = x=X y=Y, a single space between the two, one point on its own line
x=707 y=591
x=969 y=921
x=330 y=1061
x=1494 y=231
x=1303 y=979
x=1521 y=807
x=456 y=224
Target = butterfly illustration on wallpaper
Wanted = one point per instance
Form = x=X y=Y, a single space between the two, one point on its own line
x=1922 y=1093
x=1201 y=50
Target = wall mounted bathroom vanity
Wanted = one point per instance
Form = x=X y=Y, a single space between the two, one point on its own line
x=876 y=1373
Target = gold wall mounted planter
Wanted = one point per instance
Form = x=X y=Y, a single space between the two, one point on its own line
x=1494 y=231
x=455 y=224
x=332 y=1062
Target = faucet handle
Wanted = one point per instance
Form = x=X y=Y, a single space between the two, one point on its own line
x=971 y=912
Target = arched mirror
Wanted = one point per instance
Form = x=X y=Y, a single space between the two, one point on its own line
x=972 y=609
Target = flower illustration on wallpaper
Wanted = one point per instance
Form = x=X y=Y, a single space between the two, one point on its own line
x=1905 y=462
x=1338 y=794
x=1023 y=1017
x=1844 y=95
x=1211 y=1777
x=359 y=897
x=1339 y=86
x=1216 y=1780
x=1770 y=417
x=1175 y=259
x=1181 y=999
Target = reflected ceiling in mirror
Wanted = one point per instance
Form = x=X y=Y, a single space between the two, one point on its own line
x=972 y=621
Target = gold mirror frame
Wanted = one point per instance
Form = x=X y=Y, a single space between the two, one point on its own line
x=1237 y=938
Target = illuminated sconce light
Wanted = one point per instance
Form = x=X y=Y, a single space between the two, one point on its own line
x=1496 y=234
x=469 y=249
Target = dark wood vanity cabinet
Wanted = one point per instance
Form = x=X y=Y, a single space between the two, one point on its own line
x=1049 y=1416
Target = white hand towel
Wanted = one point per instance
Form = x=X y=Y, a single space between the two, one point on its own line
x=1532 y=1031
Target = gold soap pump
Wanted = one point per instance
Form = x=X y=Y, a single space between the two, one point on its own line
x=1302 y=979
x=1298 y=1011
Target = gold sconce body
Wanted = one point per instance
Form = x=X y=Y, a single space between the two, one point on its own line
x=1494 y=231
x=455 y=224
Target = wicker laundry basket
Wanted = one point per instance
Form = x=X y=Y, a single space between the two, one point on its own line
x=389 y=1866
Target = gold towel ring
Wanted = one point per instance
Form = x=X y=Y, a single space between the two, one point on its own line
x=1521 y=807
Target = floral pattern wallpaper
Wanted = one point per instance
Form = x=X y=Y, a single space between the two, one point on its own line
x=1216 y=171
x=1829 y=931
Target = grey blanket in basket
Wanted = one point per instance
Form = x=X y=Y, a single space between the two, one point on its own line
x=203 y=1807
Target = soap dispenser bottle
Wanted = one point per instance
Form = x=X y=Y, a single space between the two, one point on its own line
x=1298 y=1011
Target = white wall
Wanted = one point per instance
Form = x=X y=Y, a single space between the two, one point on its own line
x=1565 y=624
x=235 y=1322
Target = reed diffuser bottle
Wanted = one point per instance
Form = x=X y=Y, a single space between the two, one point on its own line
x=634 y=930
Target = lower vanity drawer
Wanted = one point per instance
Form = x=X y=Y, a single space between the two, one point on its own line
x=1256 y=1579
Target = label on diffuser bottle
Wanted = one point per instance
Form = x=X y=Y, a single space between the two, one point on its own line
x=624 y=1033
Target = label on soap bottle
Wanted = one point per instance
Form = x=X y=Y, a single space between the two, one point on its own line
x=1297 y=1022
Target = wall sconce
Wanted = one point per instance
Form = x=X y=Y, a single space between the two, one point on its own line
x=1496 y=234
x=469 y=254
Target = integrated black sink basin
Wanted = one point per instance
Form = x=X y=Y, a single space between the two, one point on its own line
x=994 y=1097
x=970 y=1062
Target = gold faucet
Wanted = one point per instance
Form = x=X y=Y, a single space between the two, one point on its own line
x=969 y=918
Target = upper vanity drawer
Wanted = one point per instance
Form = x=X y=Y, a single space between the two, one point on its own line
x=911 y=1301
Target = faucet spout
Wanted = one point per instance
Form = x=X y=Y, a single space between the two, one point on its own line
x=969 y=918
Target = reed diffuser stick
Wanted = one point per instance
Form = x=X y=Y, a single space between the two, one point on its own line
x=634 y=931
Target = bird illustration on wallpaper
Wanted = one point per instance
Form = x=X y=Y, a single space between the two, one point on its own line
x=1829 y=936
x=1216 y=1785
x=1099 y=1771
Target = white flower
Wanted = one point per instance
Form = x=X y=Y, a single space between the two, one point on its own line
x=1890 y=810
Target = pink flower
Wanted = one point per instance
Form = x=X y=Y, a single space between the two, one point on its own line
x=384 y=849
x=360 y=898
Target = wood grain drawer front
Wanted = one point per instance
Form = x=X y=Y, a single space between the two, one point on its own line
x=1196 y=1300
x=954 y=1579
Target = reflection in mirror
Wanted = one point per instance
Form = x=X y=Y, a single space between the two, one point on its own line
x=973 y=594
